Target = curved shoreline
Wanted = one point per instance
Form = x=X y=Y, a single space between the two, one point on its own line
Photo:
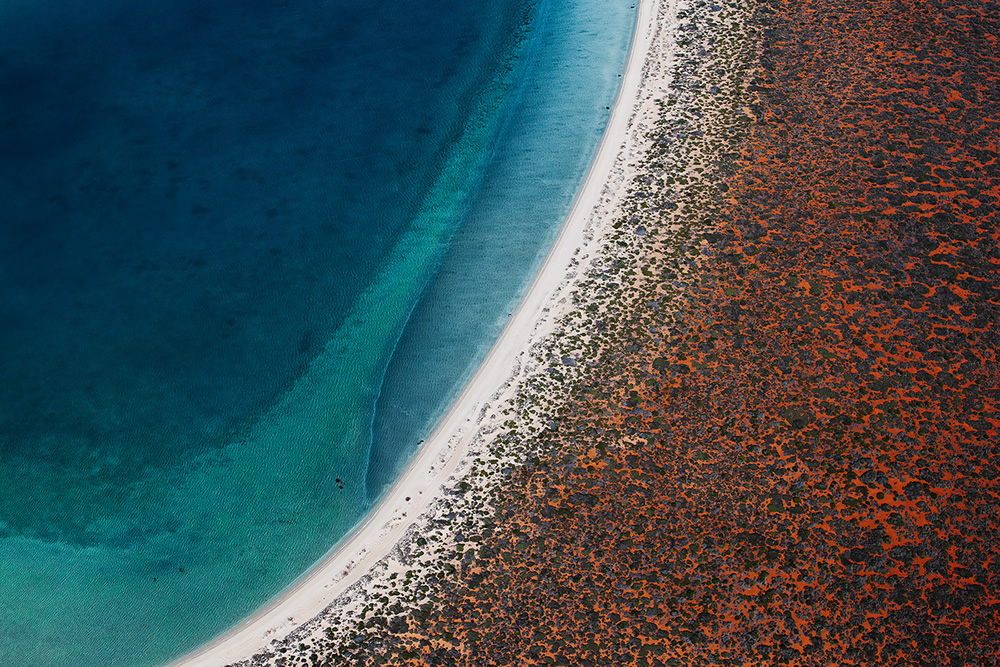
x=444 y=450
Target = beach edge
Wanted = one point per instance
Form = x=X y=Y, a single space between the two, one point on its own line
x=403 y=507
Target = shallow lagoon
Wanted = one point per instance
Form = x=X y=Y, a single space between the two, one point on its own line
x=237 y=236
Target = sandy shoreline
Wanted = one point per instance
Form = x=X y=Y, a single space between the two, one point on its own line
x=497 y=379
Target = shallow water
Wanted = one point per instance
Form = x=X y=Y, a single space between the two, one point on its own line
x=230 y=231
x=575 y=56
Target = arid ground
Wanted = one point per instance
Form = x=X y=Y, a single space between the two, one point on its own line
x=773 y=421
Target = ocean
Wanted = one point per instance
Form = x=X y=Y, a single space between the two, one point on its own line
x=249 y=254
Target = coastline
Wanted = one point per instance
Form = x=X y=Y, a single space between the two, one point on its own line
x=474 y=415
x=729 y=446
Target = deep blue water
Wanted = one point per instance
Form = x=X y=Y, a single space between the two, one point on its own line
x=249 y=252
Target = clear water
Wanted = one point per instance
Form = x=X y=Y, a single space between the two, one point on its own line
x=235 y=237
x=574 y=59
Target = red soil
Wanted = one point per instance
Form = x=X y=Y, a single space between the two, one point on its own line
x=801 y=465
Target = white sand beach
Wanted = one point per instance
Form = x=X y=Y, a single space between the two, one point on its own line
x=445 y=452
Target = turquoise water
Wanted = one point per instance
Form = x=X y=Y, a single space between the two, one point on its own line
x=249 y=253
x=574 y=61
